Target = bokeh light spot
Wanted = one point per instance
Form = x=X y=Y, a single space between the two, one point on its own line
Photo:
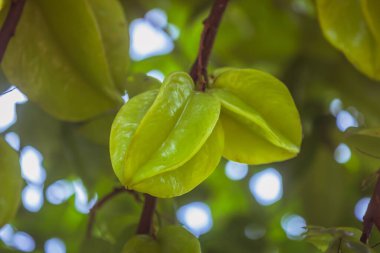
x=156 y=74
x=293 y=225
x=235 y=170
x=32 y=198
x=13 y=140
x=55 y=245
x=361 y=207
x=344 y=120
x=23 y=242
x=342 y=153
x=31 y=165
x=266 y=186
x=196 y=217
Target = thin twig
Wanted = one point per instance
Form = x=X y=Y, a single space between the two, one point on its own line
x=199 y=69
x=372 y=215
x=92 y=215
x=375 y=245
x=10 y=24
x=147 y=214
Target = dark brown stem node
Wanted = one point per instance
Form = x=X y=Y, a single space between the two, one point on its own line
x=199 y=69
x=147 y=214
x=10 y=24
x=372 y=215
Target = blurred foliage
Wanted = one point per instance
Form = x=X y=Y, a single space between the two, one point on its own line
x=282 y=37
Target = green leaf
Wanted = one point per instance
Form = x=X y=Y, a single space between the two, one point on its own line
x=260 y=120
x=11 y=182
x=353 y=27
x=114 y=31
x=139 y=83
x=153 y=136
x=366 y=141
x=97 y=130
x=65 y=64
x=176 y=239
x=332 y=239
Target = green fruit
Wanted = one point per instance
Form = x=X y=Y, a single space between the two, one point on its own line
x=170 y=239
x=74 y=68
x=176 y=239
x=353 y=27
x=141 y=244
x=167 y=142
x=11 y=182
x=260 y=120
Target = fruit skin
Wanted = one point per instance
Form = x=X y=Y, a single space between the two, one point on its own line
x=10 y=183
x=260 y=120
x=170 y=239
x=176 y=239
x=141 y=244
x=167 y=142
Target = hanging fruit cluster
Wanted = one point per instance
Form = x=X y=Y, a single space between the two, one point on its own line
x=165 y=142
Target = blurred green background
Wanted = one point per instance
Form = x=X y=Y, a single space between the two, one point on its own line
x=239 y=208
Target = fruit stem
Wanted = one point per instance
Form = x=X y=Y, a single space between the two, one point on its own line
x=372 y=215
x=92 y=215
x=146 y=218
x=10 y=24
x=199 y=69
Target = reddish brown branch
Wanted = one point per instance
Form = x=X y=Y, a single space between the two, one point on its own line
x=199 y=74
x=372 y=215
x=10 y=24
x=147 y=214
x=92 y=215
x=199 y=69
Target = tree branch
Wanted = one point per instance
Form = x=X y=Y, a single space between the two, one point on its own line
x=199 y=74
x=372 y=215
x=10 y=24
x=199 y=69
x=92 y=215
x=146 y=218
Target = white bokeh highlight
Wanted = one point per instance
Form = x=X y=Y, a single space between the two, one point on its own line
x=266 y=186
x=336 y=106
x=361 y=207
x=6 y=234
x=82 y=204
x=32 y=198
x=8 y=103
x=31 y=165
x=60 y=191
x=293 y=225
x=157 y=18
x=236 y=171
x=148 y=40
x=13 y=140
x=23 y=242
x=156 y=74
x=345 y=119
x=342 y=153
x=55 y=245
x=196 y=217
